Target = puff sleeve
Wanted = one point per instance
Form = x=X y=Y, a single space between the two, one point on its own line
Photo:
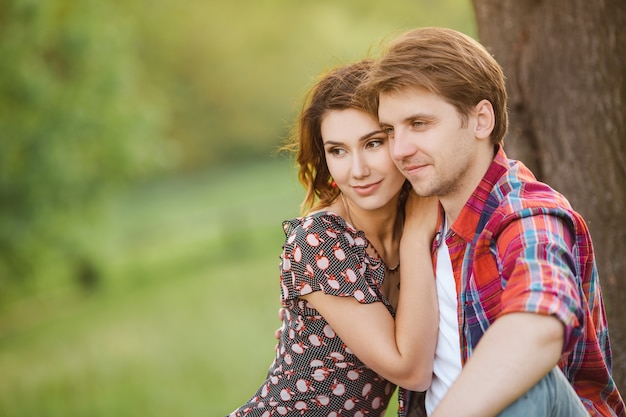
x=322 y=254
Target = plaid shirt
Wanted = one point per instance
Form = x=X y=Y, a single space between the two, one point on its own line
x=517 y=246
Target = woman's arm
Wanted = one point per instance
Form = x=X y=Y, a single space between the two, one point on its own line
x=401 y=351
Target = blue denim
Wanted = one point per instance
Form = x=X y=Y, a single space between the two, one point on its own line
x=552 y=396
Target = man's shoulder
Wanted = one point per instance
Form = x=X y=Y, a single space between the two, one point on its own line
x=518 y=190
x=518 y=194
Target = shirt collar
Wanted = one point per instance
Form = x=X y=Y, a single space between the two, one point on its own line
x=466 y=224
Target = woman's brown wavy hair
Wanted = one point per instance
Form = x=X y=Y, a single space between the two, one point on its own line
x=334 y=90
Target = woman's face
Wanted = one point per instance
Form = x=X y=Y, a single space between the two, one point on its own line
x=358 y=158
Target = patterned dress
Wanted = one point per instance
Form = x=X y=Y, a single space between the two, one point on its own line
x=314 y=372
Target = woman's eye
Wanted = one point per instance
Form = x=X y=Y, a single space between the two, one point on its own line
x=336 y=151
x=375 y=143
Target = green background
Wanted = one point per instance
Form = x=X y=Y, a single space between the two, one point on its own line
x=141 y=194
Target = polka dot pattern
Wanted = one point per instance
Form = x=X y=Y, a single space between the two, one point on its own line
x=314 y=372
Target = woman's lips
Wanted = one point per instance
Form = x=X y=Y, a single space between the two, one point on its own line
x=366 y=189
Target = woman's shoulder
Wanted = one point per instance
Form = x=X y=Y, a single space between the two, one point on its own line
x=323 y=252
x=317 y=234
x=322 y=224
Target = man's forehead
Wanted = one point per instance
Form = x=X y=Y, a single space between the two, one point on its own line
x=408 y=99
x=405 y=93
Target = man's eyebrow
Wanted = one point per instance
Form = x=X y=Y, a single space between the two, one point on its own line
x=411 y=118
x=417 y=116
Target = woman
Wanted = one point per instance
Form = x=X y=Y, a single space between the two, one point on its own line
x=340 y=352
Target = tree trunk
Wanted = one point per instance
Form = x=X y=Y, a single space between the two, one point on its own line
x=565 y=63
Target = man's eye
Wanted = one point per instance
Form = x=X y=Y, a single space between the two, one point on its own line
x=388 y=130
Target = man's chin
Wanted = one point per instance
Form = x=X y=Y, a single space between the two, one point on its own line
x=422 y=190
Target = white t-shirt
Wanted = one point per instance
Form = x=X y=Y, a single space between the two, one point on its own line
x=447 y=365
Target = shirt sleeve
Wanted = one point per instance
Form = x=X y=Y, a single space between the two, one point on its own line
x=539 y=270
x=320 y=255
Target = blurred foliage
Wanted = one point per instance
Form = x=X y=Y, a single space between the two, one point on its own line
x=96 y=95
x=104 y=105
x=232 y=74
x=184 y=325
x=72 y=126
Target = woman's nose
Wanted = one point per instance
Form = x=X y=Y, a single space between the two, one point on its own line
x=360 y=167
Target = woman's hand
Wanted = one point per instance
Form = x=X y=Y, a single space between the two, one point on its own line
x=420 y=222
x=281 y=317
x=278 y=332
x=400 y=350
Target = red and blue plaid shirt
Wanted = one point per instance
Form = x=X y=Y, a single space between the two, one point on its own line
x=517 y=246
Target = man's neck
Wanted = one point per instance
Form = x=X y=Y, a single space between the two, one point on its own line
x=453 y=204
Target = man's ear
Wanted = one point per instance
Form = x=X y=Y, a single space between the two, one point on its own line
x=485 y=119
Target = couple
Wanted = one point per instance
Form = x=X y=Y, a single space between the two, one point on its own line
x=482 y=292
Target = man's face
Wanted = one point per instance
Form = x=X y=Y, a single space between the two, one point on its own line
x=429 y=143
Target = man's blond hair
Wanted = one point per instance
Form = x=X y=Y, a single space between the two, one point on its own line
x=444 y=62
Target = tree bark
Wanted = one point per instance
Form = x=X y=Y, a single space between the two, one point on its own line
x=565 y=63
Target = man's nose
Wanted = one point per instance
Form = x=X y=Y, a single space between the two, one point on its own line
x=400 y=147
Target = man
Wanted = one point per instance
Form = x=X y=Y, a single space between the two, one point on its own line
x=517 y=283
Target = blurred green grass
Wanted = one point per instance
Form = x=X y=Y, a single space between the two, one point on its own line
x=183 y=320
